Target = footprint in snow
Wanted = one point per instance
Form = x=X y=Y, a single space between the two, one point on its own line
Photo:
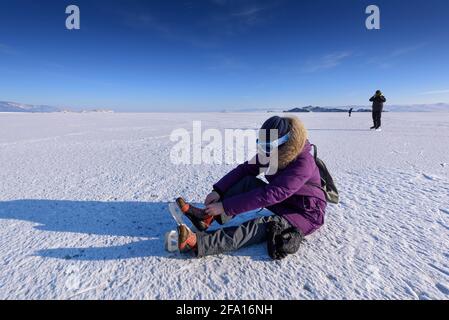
x=428 y=177
x=443 y=225
x=308 y=288
x=424 y=296
x=441 y=220
x=440 y=269
x=443 y=288
x=332 y=278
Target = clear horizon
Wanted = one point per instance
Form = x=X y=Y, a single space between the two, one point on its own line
x=389 y=108
x=214 y=55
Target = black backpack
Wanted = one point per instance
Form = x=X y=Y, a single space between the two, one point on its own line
x=327 y=182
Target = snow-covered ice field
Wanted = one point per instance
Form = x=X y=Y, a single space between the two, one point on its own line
x=83 y=213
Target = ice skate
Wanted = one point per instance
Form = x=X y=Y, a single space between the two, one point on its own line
x=199 y=218
x=186 y=239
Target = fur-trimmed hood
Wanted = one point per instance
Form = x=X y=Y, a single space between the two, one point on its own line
x=299 y=169
x=288 y=152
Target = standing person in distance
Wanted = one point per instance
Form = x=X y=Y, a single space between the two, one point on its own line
x=378 y=101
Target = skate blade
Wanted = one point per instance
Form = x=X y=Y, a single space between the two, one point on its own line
x=176 y=213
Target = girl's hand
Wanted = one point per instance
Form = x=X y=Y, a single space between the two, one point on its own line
x=211 y=198
x=215 y=209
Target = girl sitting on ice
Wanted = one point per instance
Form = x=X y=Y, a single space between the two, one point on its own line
x=291 y=194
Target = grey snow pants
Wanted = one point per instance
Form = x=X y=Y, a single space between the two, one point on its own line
x=233 y=238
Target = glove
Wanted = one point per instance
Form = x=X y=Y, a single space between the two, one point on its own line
x=281 y=241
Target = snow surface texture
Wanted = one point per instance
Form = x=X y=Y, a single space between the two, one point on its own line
x=83 y=211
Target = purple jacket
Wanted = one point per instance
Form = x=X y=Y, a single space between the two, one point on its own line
x=287 y=193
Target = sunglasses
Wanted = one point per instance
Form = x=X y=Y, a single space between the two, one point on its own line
x=268 y=147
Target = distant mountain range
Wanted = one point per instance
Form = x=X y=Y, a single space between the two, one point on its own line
x=326 y=109
x=20 y=107
x=6 y=106
x=437 y=107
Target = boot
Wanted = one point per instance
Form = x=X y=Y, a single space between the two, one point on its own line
x=186 y=239
x=199 y=218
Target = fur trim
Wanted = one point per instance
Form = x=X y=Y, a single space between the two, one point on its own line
x=293 y=148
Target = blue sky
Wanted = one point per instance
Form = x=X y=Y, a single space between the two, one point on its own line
x=211 y=55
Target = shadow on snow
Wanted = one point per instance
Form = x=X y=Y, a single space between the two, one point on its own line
x=147 y=220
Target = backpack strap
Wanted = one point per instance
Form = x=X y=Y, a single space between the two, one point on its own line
x=315 y=151
x=315 y=156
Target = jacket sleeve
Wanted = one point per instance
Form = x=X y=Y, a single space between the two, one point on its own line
x=282 y=187
x=242 y=171
x=383 y=99
x=371 y=99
